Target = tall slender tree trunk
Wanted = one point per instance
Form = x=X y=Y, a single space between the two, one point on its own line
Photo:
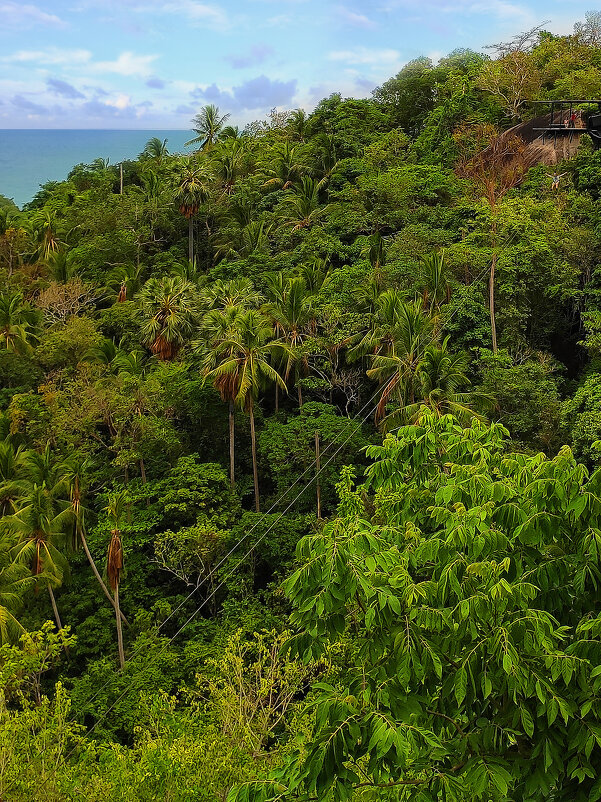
x=119 y=630
x=231 y=421
x=277 y=398
x=253 y=443
x=105 y=590
x=57 y=617
x=300 y=395
x=190 y=240
x=317 y=472
x=491 y=286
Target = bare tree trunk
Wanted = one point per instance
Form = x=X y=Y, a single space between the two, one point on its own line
x=190 y=240
x=119 y=630
x=317 y=470
x=105 y=590
x=277 y=398
x=231 y=416
x=143 y=470
x=491 y=286
x=491 y=295
x=57 y=617
x=300 y=395
x=253 y=443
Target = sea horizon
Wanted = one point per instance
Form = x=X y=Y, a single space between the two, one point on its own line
x=30 y=157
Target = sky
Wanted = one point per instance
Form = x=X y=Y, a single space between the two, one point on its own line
x=153 y=64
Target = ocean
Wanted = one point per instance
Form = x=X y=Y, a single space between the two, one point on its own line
x=29 y=158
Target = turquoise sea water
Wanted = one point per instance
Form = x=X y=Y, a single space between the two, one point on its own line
x=29 y=158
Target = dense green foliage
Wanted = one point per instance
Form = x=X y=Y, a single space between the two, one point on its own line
x=191 y=608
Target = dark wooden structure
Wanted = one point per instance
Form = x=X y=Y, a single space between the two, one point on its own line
x=561 y=122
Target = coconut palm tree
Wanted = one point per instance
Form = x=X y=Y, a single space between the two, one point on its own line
x=74 y=475
x=301 y=209
x=114 y=562
x=243 y=362
x=219 y=325
x=284 y=166
x=15 y=581
x=399 y=344
x=238 y=292
x=191 y=191
x=39 y=534
x=440 y=377
x=16 y=323
x=435 y=287
x=169 y=308
x=155 y=149
x=227 y=162
x=207 y=124
x=291 y=315
x=13 y=476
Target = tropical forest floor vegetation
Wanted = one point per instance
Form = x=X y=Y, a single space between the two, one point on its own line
x=299 y=433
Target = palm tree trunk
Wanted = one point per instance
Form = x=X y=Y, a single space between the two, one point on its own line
x=105 y=590
x=190 y=240
x=277 y=398
x=300 y=396
x=57 y=617
x=253 y=443
x=491 y=286
x=119 y=630
x=231 y=417
x=491 y=295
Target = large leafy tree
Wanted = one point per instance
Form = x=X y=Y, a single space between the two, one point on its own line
x=465 y=596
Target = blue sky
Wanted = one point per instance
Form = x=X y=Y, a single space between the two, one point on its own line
x=154 y=63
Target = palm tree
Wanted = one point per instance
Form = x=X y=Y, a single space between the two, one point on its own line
x=284 y=166
x=399 y=346
x=191 y=191
x=302 y=208
x=16 y=323
x=375 y=251
x=298 y=125
x=327 y=162
x=227 y=163
x=239 y=292
x=39 y=533
x=435 y=287
x=15 y=580
x=207 y=124
x=75 y=472
x=291 y=315
x=13 y=476
x=230 y=132
x=243 y=362
x=219 y=325
x=169 y=306
x=114 y=562
x=155 y=149
x=45 y=236
x=124 y=281
x=440 y=377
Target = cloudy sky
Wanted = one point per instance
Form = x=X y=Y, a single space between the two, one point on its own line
x=153 y=63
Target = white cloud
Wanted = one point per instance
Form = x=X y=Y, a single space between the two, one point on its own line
x=201 y=13
x=119 y=102
x=24 y=15
x=128 y=64
x=355 y=19
x=50 y=56
x=364 y=55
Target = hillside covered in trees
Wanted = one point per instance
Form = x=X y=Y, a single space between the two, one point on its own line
x=300 y=436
